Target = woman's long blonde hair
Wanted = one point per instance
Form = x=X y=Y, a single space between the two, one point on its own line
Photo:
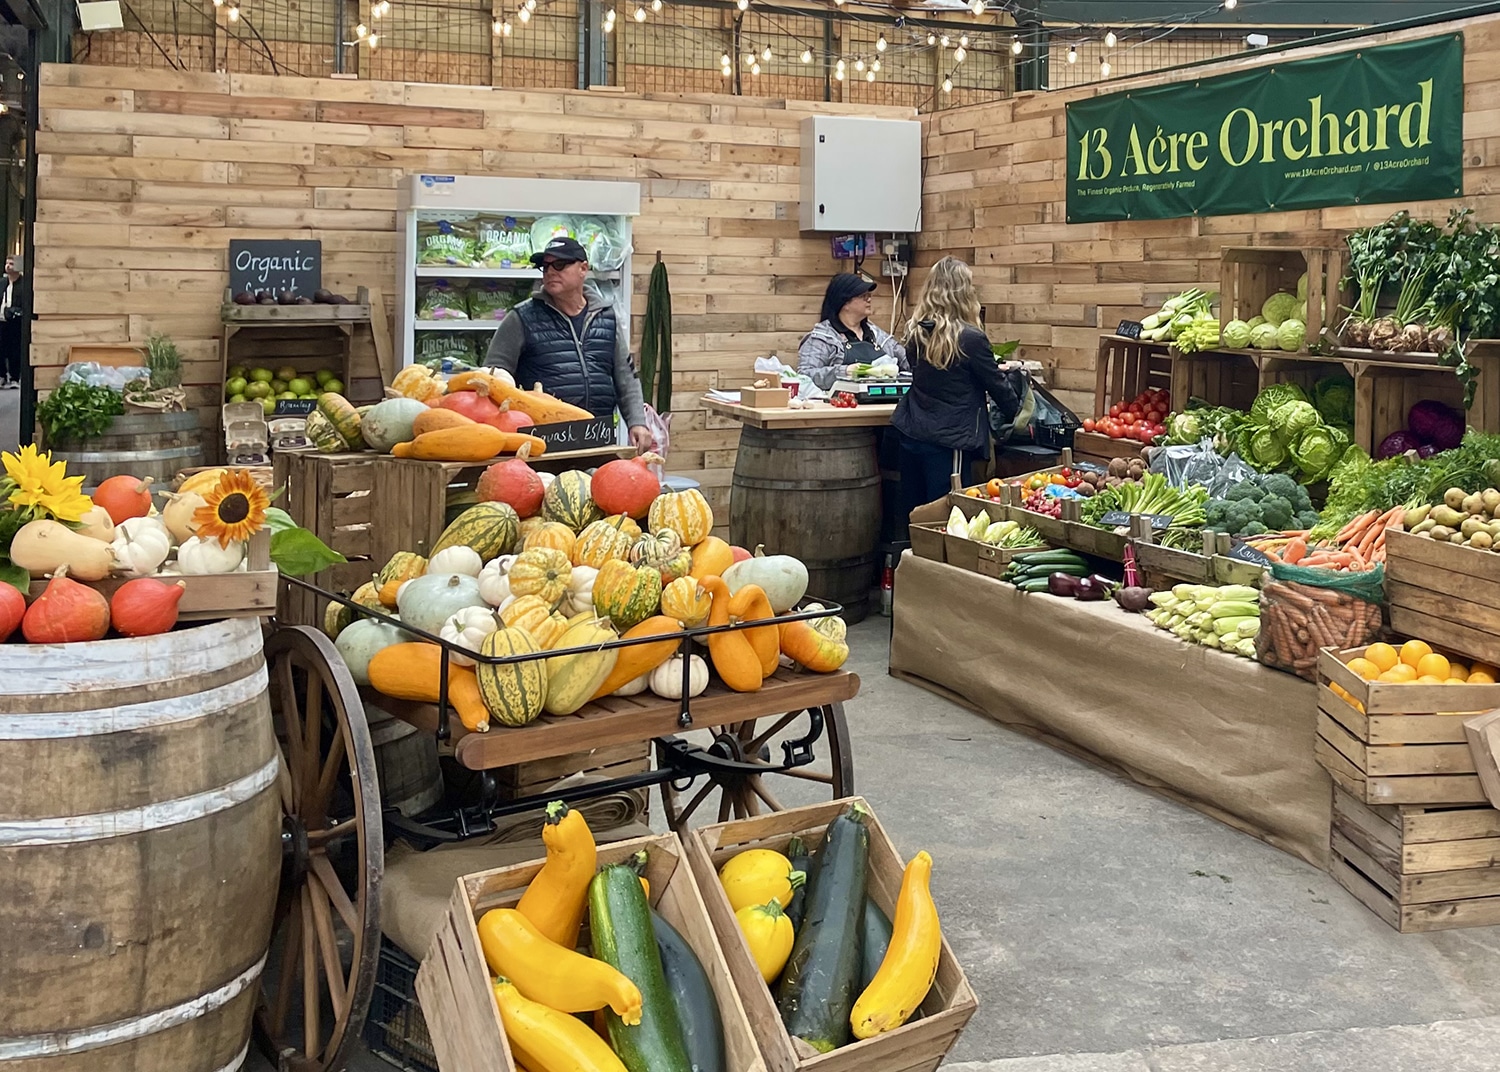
x=949 y=303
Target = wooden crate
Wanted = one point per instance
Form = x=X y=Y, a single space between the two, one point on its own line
x=918 y=1046
x=929 y=541
x=1126 y=367
x=1217 y=378
x=1385 y=393
x=1445 y=594
x=453 y=983
x=1100 y=449
x=981 y=558
x=1162 y=567
x=1407 y=745
x=1419 y=868
x=1248 y=275
x=331 y=495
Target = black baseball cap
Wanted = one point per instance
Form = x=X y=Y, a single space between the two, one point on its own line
x=561 y=248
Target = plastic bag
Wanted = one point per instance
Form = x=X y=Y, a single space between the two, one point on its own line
x=1019 y=426
x=447 y=239
x=441 y=301
x=492 y=300
x=502 y=242
x=97 y=375
x=546 y=228
x=1185 y=465
x=1303 y=610
x=605 y=242
x=433 y=348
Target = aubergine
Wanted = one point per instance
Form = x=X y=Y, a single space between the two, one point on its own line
x=801 y=860
x=690 y=990
x=821 y=978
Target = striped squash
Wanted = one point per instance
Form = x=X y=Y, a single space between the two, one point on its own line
x=568 y=500
x=542 y=571
x=530 y=525
x=321 y=431
x=573 y=678
x=489 y=528
x=627 y=525
x=417 y=381
x=686 y=513
x=627 y=595
x=663 y=550
x=553 y=534
x=686 y=602
x=341 y=413
x=338 y=617
x=402 y=566
x=536 y=616
x=602 y=541
x=513 y=693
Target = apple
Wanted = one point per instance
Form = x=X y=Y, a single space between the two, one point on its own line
x=268 y=406
x=236 y=385
x=258 y=389
x=739 y=553
x=236 y=398
x=278 y=385
x=237 y=371
x=334 y=387
x=308 y=395
x=286 y=394
x=261 y=375
x=323 y=375
x=286 y=372
x=300 y=385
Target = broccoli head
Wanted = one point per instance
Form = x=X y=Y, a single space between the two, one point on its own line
x=1276 y=513
x=1255 y=528
x=1215 y=512
x=1284 y=487
x=1306 y=519
x=1242 y=513
x=1247 y=490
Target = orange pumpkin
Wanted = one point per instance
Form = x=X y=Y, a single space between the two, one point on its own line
x=711 y=558
x=551 y=534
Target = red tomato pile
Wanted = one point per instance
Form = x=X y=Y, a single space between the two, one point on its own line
x=1143 y=418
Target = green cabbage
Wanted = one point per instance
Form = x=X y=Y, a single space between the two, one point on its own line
x=1316 y=451
x=1278 y=307
x=1263 y=336
x=1300 y=313
x=1267 y=450
x=1256 y=321
x=1184 y=428
x=1334 y=397
x=1291 y=419
x=1291 y=335
x=1236 y=334
x=1302 y=286
x=1273 y=396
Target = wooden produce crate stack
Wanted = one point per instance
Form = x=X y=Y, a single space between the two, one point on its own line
x=1123 y=369
x=920 y=1045
x=1219 y=378
x=1248 y=275
x=538 y=776
x=330 y=494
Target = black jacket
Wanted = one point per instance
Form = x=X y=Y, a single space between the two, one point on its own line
x=945 y=407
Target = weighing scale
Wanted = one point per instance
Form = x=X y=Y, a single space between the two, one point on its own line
x=875 y=392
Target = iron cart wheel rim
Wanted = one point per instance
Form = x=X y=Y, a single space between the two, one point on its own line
x=746 y=786
x=315 y=994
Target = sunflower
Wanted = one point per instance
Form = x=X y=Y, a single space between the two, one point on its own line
x=236 y=508
x=37 y=483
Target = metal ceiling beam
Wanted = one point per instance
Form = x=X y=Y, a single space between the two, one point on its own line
x=1255 y=14
x=27 y=13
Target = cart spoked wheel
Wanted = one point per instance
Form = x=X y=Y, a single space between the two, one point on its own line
x=765 y=764
x=320 y=974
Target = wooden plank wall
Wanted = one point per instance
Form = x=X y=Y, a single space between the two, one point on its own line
x=145 y=176
x=994 y=195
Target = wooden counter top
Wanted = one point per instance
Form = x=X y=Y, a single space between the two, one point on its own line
x=870 y=416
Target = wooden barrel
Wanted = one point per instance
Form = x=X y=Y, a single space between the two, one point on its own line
x=141 y=444
x=406 y=759
x=140 y=850
x=813 y=493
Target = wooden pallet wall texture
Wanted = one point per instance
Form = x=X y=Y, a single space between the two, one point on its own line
x=993 y=194
x=145 y=175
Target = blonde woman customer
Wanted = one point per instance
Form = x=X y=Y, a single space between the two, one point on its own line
x=943 y=420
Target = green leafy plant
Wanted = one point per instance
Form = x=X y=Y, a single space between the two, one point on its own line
x=77 y=410
x=164 y=361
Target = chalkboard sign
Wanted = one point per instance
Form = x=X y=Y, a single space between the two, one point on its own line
x=295 y=407
x=1120 y=517
x=1130 y=329
x=592 y=434
x=1243 y=552
x=276 y=265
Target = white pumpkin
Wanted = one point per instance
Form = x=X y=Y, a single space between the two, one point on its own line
x=197 y=556
x=666 y=679
x=140 y=546
x=783 y=578
x=457 y=559
x=632 y=688
x=547 y=479
x=580 y=595
x=494 y=585
x=467 y=629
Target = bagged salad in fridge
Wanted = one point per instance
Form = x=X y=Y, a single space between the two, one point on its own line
x=546 y=228
x=439 y=300
x=503 y=242
x=604 y=238
x=492 y=299
x=435 y=347
x=447 y=239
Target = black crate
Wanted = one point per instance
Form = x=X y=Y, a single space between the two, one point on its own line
x=395 y=1030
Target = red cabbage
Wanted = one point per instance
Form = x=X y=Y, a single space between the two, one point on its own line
x=1432 y=422
x=1426 y=450
x=1398 y=442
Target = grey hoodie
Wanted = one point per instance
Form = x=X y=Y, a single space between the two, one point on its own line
x=821 y=356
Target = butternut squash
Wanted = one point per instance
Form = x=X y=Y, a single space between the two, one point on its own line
x=433 y=419
x=751 y=604
x=44 y=546
x=469 y=443
x=642 y=658
x=558 y=897
x=736 y=660
x=413 y=671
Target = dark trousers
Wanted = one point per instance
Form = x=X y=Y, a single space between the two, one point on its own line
x=926 y=473
x=11 y=350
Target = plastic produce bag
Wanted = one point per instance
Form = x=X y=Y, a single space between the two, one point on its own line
x=1185 y=465
x=433 y=348
x=1303 y=610
x=441 y=301
x=97 y=375
x=605 y=241
x=502 y=242
x=546 y=228
x=447 y=240
x=492 y=300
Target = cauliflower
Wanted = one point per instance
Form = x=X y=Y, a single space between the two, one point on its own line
x=1236 y=334
x=1291 y=419
x=1291 y=336
x=1184 y=428
x=1278 y=307
x=1263 y=337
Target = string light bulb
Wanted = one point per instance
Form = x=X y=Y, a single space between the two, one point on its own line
x=870 y=77
x=609 y=26
x=839 y=74
x=1015 y=46
x=374 y=41
x=977 y=8
x=765 y=53
x=875 y=66
x=724 y=60
x=1110 y=40
x=524 y=14
x=859 y=65
x=755 y=68
x=749 y=58
x=932 y=39
x=640 y=14
x=960 y=54
x=498 y=27
x=1104 y=68
x=361 y=31
x=1072 y=53
x=943 y=40
x=234 y=13
x=948 y=84
x=742 y=4
x=840 y=66
x=880 y=43
x=609 y=16
x=655 y=5
x=806 y=55
x=218 y=3
x=1230 y=5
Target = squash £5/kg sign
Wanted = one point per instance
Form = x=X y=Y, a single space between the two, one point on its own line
x=1364 y=126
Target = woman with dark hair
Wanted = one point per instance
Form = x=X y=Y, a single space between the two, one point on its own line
x=943 y=420
x=844 y=335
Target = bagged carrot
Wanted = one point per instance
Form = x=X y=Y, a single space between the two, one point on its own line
x=1305 y=608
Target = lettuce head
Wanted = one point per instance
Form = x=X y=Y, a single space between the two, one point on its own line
x=1293 y=418
x=1236 y=334
x=1279 y=307
x=1291 y=335
x=1263 y=337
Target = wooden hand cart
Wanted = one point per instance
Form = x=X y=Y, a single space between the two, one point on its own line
x=327 y=933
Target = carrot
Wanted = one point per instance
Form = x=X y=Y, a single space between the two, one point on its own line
x=1357 y=562
x=1366 y=543
x=1296 y=551
x=1357 y=525
x=1272 y=555
x=1322 y=558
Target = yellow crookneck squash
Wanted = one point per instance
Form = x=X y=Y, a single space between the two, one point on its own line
x=768 y=932
x=911 y=960
x=544 y=971
x=545 y=1039
x=734 y=657
x=750 y=604
x=557 y=898
x=413 y=671
x=806 y=645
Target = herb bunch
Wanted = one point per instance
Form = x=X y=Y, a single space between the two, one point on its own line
x=77 y=410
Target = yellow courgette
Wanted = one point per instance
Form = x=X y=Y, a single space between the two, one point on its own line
x=911 y=962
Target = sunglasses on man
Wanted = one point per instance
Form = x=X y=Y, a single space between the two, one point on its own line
x=556 y=266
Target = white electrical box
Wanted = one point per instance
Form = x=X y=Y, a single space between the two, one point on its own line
x=861 y=175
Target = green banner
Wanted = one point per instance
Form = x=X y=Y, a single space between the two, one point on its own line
x=1366 y=126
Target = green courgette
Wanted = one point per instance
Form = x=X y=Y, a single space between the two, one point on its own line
x=1048 y=556
x=819 y=985
x=877 y=939
x=624 y=937
x=801 y=860
x=697 y=1005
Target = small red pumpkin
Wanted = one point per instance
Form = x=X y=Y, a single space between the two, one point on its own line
x=145 y=606
x=511 y=420
x=124 y=497
x=470 y=404
x=739 y=553
x=512 y=482
x=66 y=612
x=12 y=610
x=627 y=485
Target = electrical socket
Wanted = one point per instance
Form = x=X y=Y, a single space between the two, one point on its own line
x=893 y=269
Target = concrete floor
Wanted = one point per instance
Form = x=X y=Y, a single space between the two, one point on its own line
x=1106 y=929
x=10 y=419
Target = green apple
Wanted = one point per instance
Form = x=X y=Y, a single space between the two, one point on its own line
x=286 y=394
x=334 y=387
x=235 y=386
x=286 y=372
x=278 y=385
x=323 y=375
x=258 y=389
x=236 y=398
x=262 y=375
x=299 y=386
x=268 y=406
x=236 y=370
x=308 y=395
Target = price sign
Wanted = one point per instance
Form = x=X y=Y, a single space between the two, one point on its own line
x=295 y=407
x=1243 y=552
x=1119 y=517
x=1130 y=329
x=592 y=434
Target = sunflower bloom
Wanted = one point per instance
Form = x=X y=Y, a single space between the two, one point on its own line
x=42 y=483
x=236 y=508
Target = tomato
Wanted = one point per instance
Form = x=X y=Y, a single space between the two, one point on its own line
x=1115 y=410
x=1116 y=432
x=1088 y=424
x=1134 y=407
x=1131 y=420
x=1145 y=434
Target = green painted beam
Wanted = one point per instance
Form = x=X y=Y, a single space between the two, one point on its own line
x=1249 y=14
